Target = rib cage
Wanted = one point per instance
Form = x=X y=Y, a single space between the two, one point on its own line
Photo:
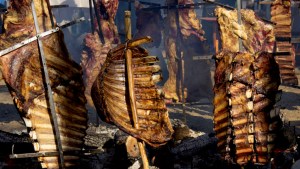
x=245 y=89
x=111 y=97
x=281 y=14
x=23 y=75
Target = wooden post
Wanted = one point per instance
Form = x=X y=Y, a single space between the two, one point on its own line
x=130 y=79
x=128 y=25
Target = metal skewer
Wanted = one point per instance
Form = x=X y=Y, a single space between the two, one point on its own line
x=49 y=90
x=91 y=15
x=99 y=23
x=40 y=35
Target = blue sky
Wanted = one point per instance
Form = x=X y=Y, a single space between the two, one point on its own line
x=2 y=1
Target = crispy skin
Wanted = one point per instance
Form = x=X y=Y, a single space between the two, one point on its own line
x=245 y=90
x=22 y=72
x=256 y=35
x=221 y=104
x=111 y=97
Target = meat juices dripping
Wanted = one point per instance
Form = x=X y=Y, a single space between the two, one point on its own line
x=23 y=75
x=189 y=25
x=111 y=97
x=94 y=52
x=281 y=14
x=245 y=89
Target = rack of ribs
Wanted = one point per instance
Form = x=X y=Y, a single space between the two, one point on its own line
x=22 y=72
x=111 y=95
x=246 y=84
x=281 y=14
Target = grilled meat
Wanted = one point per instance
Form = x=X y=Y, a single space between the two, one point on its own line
x=111 y=97
x=22 y=71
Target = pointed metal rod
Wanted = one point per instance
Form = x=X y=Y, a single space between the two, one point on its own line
x=49 y=90
x=99 y=23
x=91 y=16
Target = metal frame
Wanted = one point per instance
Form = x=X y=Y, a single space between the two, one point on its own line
x=48 y=88
x=40 y=35
x=51 y=103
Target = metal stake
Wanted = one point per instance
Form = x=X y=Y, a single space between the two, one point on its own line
x=91 y=16
x=49 y=90
x=99 y=23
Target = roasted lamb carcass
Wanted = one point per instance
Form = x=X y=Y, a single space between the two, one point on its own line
x=94 y=52
x=22 y=72
x=245 y=89
x=111 y=97
x=281 y=14
x=176 y=28
x=188 y=22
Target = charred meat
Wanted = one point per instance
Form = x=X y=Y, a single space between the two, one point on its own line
x=111 y=97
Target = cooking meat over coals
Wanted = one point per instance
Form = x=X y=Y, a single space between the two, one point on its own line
x=246 y=84
x=111 y=96
x=22 y=72
x=179 y=24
